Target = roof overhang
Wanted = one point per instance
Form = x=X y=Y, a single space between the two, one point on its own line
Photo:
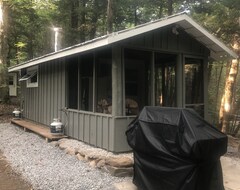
x=217 y=48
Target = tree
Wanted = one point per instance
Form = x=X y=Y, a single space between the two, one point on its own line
x=110 y=16
x=29 y=29
x=222 y=18
x=227 y=98
x=3 y=50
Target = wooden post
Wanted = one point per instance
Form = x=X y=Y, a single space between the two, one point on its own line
x=152 y=94
x=179 y=82
x=205 y=88
x=117 y=84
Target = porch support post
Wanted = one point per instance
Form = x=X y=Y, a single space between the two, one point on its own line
x=117 y=78
x=205 y=87
x=180 y=77
x=152 y=98
x=94 y=83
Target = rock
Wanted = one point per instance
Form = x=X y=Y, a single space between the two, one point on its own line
x=90 y=157
x=62 y=145
x=119 y=162
x=101 y=163
x=80 y=157
x=54 y=143
x=118 y=172
x=71 y=151
x=125 y=185
x=82 y=153
x=93 y=163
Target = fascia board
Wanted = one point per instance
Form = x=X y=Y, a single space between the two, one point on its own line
x=210 y=37
x=122 y=35
x=60 y=54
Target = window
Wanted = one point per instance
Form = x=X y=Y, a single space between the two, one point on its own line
x=10 y=80
x=31 y=76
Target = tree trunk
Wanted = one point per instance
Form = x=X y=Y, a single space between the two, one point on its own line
x=226 y=103
x=135 y=16
x=3 y=51
x=94 y=19
x=170 y=7
x=83 y=21
x=110 y=17
x=227 y=99
x=74 y=14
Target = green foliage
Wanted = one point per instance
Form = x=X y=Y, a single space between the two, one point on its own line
x=29 y=28
x=220 y=17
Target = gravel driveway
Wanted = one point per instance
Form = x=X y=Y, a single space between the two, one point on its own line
x=47 y=167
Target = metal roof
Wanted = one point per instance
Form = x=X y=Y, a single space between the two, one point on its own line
x=217 y=48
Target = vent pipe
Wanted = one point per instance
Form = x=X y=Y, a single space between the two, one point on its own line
x=56 y=38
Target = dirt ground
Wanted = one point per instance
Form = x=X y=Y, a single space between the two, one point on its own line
x=9 y=180
x=6 y=112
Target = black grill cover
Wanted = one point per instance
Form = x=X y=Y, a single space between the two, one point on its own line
x=175 y=149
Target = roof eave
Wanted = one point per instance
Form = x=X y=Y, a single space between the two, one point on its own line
x=217 y=48
x=62 y=53
x=223 y=53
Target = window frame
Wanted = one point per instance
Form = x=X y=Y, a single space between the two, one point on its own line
x=31 y=72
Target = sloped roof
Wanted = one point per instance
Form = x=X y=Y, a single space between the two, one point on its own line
x=217 y=48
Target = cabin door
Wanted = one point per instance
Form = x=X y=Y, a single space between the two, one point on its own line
x=12 y=84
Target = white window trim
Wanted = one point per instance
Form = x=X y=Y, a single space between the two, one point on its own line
x=27 y=76
x=31 y=72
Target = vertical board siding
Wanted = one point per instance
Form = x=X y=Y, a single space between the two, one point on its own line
x=81 y=131
x=95 y=129
x=100 y=131
x=120 y=140
x=75 y=126
x=86 y=120
x=105 y=133
x=43 y=103
x=166 y=40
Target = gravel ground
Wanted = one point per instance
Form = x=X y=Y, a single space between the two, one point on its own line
x=47 y=167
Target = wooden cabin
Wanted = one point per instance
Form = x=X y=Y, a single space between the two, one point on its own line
x=98 y=87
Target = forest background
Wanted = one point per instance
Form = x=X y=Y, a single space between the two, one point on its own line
x=27 y=31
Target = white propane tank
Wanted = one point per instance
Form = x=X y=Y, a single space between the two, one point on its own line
x=16 y=114
x=56 y=127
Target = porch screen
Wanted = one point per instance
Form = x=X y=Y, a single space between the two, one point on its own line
x=137 y=80
x=165 y=80
x=80 y=82
x=104 y=81
x=73 y=83
x=86 y=83
x=194 y=85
